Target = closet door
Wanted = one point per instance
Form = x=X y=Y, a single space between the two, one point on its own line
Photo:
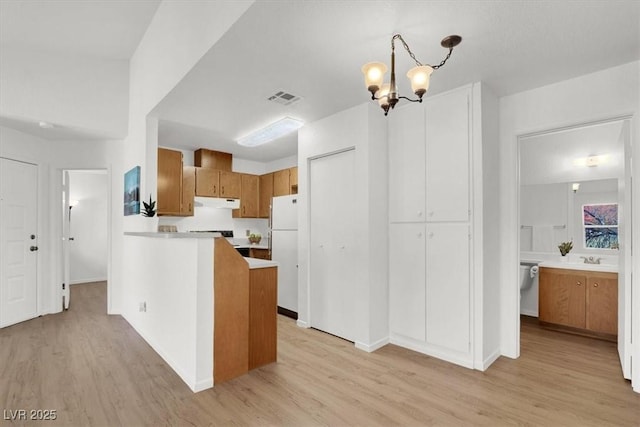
x=447 y=157
x=332 y=263
x=448 y=286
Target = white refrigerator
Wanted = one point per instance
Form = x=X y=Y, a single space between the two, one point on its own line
x=284 y=248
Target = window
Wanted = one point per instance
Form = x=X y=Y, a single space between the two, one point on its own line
x=600 y=222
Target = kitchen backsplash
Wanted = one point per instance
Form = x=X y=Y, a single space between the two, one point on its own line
x=217 y=219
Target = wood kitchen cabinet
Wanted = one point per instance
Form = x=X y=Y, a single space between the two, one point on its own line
x=293 y=180
x=210 y=159
x=175 y=186
x=248 y=197
x=281 y=183
x=263 y=316
x=207 y=182
x=188 y=190
x=585 y=302
x=230 y=185
x=259 y=253
x=265 y=193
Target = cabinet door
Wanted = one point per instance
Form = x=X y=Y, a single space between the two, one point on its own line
x=602 y=303
x=188 y=189
x=230 y=185
x=207 y=182
x=293 y=180
x=249 y=196
x=169 y=181
x=448 y=286
x=407 y=280
x=212 y=159
x=447 y=157
x=562 y=297
x=407 y=164
x=265 y=193
x=281 y=183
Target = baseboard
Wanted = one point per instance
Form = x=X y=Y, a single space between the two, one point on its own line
x=194 y=386
x=90 y=280
x=529 y=313
x=488 y=361
x=370 y=348
x=302 y=323
x=289 y=313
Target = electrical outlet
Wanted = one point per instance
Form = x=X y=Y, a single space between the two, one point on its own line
x=143 y=307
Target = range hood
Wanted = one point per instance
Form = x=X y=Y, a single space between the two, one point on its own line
x=216 y=202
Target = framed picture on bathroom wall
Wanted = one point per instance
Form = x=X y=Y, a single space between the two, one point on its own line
x=600 y=225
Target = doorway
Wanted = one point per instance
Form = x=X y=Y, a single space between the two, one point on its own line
x=557 y=179
x=85 y=228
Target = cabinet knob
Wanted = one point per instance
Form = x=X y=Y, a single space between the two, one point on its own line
x=595 y=285
x=33 y=248
x=578 y=283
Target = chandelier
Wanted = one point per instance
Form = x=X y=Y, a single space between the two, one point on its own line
x=387 y=94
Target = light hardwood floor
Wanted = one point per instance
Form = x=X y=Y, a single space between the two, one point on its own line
x=94 y=370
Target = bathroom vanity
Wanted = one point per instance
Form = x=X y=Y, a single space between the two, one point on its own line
x=580 y=299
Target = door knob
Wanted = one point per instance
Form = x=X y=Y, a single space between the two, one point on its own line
x=33 y=248
x=595 y=285
x=33 y=236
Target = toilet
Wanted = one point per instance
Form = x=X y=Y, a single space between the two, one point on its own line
x=529 y=289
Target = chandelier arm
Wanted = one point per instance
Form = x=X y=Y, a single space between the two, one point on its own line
x=409 y=99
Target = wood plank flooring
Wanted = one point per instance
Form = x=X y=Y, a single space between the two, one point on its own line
x=94 y=370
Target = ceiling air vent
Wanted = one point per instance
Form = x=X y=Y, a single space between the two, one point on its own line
x=284 y=98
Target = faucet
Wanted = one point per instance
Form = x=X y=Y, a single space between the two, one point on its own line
x=591 y=260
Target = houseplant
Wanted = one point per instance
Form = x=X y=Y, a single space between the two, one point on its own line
x=149 y=208
x=565 y=248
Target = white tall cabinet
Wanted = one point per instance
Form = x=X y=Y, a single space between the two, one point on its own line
x=435 y=214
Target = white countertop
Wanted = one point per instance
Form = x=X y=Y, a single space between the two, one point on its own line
x=173 y=235
x=260 y=263
x=608 y=268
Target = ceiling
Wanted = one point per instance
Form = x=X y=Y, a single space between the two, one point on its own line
x=314 y=49
x=108 y=29
x=549 y=158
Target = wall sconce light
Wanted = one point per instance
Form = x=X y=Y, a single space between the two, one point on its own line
x=575 y=186
x=591 y=161
x=387 y=94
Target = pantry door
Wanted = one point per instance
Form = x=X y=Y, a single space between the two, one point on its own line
x=18 y=241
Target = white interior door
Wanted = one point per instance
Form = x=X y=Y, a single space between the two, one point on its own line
x=18 y=242
x=332 y=263
x=66 y=233
x=625 y=259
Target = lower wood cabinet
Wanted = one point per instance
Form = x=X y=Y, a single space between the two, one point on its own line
x=263 y=316
x=259 y=253
x=585 y=301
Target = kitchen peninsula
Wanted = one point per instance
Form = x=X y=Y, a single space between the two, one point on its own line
x=206 y=310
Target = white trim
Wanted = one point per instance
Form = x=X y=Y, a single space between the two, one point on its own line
x=461 y=359
x=90 y=280
x=530 y=313
x=302 y=324
x=488 y=361
x=370 y=348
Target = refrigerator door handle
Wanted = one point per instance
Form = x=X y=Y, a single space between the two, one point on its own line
x=269 y=233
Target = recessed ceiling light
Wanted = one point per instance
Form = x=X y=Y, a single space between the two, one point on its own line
x=45 y=125
x=269 y=133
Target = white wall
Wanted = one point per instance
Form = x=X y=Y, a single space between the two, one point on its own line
x=52 y=157
x=607 y=94
x=362 y=127
x=86 y=93
x=88 y=226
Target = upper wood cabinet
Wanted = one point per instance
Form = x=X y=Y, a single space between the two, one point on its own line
x=248 y=197
x=188 y=190
x=212 y=159
x=230 y=185
x=207 y=182
x=293 y=179
x=265 y=193
x=285 y=182
x=586 y=300
x=169 y=182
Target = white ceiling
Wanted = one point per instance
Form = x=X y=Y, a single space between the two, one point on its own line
x=548 y=158
x=315 y=49
x=109 y=29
